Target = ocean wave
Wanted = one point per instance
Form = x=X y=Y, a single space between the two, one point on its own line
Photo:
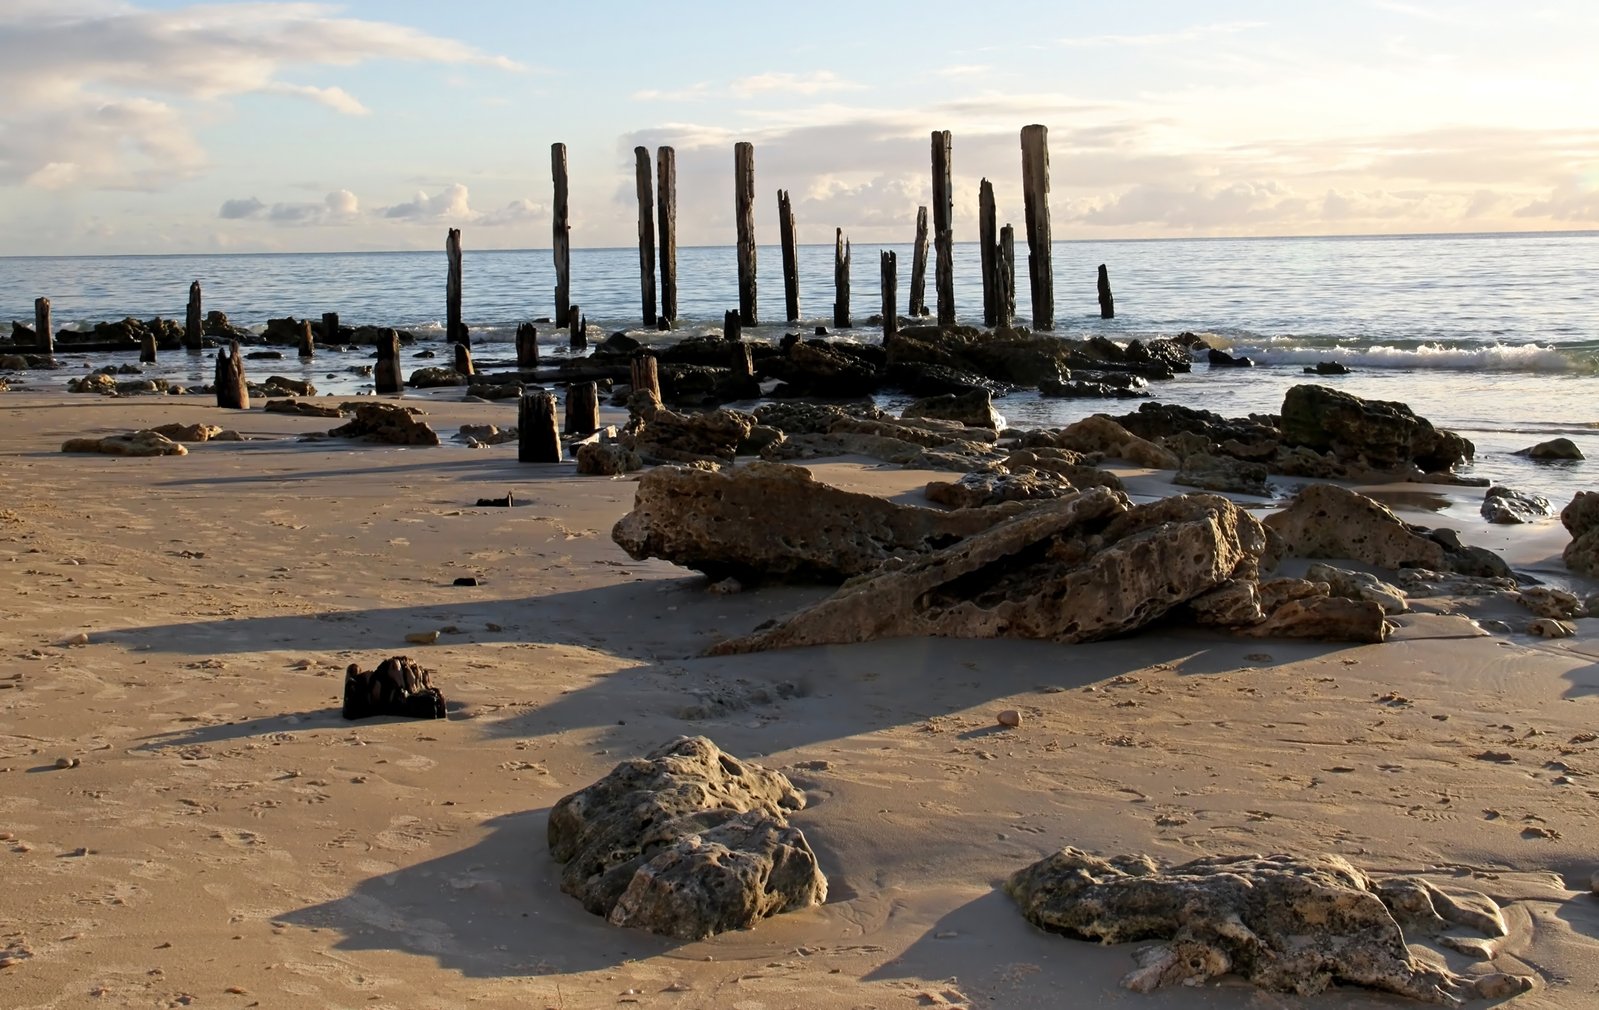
x=1583 y=359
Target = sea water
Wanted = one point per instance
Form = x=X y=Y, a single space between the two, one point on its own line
x=1494 y=336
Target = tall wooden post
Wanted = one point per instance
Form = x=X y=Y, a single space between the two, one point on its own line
x=452 y=289
x=943 y=228
x=582 y=408
x=744 y=205
x=732 y=326
x=44 y=329
x=890 y=269
x=840 y=278
x=538 y=439
x=1005 y=278
x=527 y=346
x=307 y=340
x=387 y=376
x=1035 y=201
x=232 y=391
x=646 y=232
x=918 y=302
x=988 y=246
x=330 y=328
x=563 y=236
x=577 y=330
x=1107 y=304
x=666 y=202
x=790 y=234
x=193 y=322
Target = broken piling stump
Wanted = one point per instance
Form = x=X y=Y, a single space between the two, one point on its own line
x=454 y=332
x=666 y=204
x=646 y=232
x=562 y=247
x=840 y=279
x=577 y=334
x=790 y=236
x=732 y=326
x=538 y=437
x=193 y=331
x=918 y=303
x=1107 y=303
x=890 y=288
x=1005 y=278
x=43 y=328
x=330 y=328
x=988 y=249
x=386 y=375
x=307 y=340
x=231 y=388
x=1035 y=203
x=582 y=408
x=463 y=360
x=943 y=228
x=527 y=346
x=744 y=206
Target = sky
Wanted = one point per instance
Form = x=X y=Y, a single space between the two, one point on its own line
x=167 y=127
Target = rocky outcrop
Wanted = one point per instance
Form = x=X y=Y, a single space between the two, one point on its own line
x=606 y=459
x=135 y=443
x=190 y=432
x=387 y=422
x=434 y=376
x=301 y=408
x=772 y=522
x=1380 y=435
x=1581 y=519
x=1359 y=586
x=666 y=436
x=1102 y=435
x=1555 y=448
x=991 y=488
x=1505 y=506
x=686 y=842
x=1325 y=618
x=974 y=409
x=1222 y=473
x=1328 y=521
x=1292 y=924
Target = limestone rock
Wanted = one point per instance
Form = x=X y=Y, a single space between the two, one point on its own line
x=1556 y=604
x=95 y=382
x=686 y=842
x=606 y=459
x=1222 y=473
x=1380 y=435
x=670 y=437
x=284 y=384
x=487 y=434
x=978 y=489
x=301 y=409
x=773 y=522
x=1328 y=521
x=1581 y=519
x=1293 y=924
x=1080 y=568
x=189 y=432
x=1359 y=586
x=974 y=409
x=1100 y=434
x=431 y=376
x=1233 y=604
x=1063 y=463
x=1505 y=506
x=1276 y=592
x=135 y=443
x=1545 y=627
x=386 y=422
x=1555 y=448
x=1326 y=618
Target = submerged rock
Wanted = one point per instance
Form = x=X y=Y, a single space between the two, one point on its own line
x=1555 y=448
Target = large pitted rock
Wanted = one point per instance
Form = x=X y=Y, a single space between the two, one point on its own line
x=1581 y=519
x=133 y=443
x=1383 y=435
x=389 y=423
x=1222 y=473
x=1080 y=568
x=1063 y=463
x=606 y=459
x=1294 y=924
x=991 y=488
x=772 y=522
x=1098 y=433
x=670 y=437
x=687 y=842
x=1328 y=521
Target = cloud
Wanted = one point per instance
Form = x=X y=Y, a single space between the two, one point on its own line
x=338 y=207
x=1568 y=202
x=695 y=92
x=1199 y=207
x=450 y=202
x=813 y=83
x=335 y=98
x=236 y=210
x=1184 y=36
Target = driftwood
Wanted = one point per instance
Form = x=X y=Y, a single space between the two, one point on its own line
x=399 y=686
x=1035 y=201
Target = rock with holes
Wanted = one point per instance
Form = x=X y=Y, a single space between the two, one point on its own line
x=667 y=436
x=1505 y=506
x=133 y=443
x=1359 y=586
x=687 y=842
x=1098 y=433
x=1222 y=473
x=1328 y=521
x=991 y=488
x=1581 y=519
x=1378 y=435
x=389 y=423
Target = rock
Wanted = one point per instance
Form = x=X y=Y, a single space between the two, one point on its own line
x=1581 y=519
x=771 y=522
x=1009 y=717
x=431 y=376
x=1328 y=521
x=301 y=409
x=1546 y=627
x=686 y=842
x=1221 y=359
x=977 y=489
x=1359 y=586
x=1292 y=924
x=1233 y=604
x=1098 y=433
x=399 y=686
x=95 y=382
x=67 y=762
x=137 y=443
x=294 y=387
x=1556 y=604
x=1222 y=473
x=821 y=368
x=1327 y=368
x=1080 y=568
x=422 y=637
x=1083 y=389
x=1555 y=448
x=386 y=422
x=607 y=459
x=1504 y=506
x=670 y=437
x=189 y=432
x=1422 y=582
x=974 y=409
x=1326 y=618
x=725 y=587
x=1380 y=435
x=488 y=434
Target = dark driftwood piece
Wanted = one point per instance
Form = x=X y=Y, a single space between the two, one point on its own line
x=307 y=340
x=578 y=330
x=44 y=330
x=1005 y=277
x=646 y=232
x=453 y=330
x=732 y=326
x=562 y=247
x=988 y=249
x=463 y=360
x=527 y=346
x=538 y=438
x=399 y=686
x=387 y=375
x=1035 y=202
x=918 y=302
x=646 y=374
x=330 y=328
x=582 y=408
x=840 y=278
x=193 y=328
x=232 y=391
x=1107 y=303
x=666 y=204
x=943 y=228
x=890 y=290
x=744 y=206
x=790 y=235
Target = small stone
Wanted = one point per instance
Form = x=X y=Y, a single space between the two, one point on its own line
x=1500 y=984
x=81 y=638
x=422 y=637
x=726 y=587
x=1009 y=717
x=67 y=762
x=1548 y=627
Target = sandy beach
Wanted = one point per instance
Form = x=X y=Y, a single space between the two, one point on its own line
x=179 y=628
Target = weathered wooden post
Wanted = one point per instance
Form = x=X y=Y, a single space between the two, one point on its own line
x=147 y=348
x=790 y=235
x=918 y=302
x=538 y=440
x=646 y=374
x=732 y=329
x=582 y=408
x=463 y=360
x=744 y=206
x=563 y=236
x=646 y=232
x=1005 y=277
x=1107 y=304
x=45 y=338
x=330 y=328
x=527 y=346
x=453 y=331
x=232 y=390
x=307 y=340
x=1035 y=201
x=890 y=297
x=386 y=375
x=578 y=329
x=193 y=322
x=840 y=279
x=943 y=228
x=988 y=247
x=741 y=362
x=666 y=202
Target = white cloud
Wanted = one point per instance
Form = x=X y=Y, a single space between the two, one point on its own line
x=1182 y=37
x=813 y=83
x=1568 y=203
x=338 y=207
x=334 y=98
x=450 y=202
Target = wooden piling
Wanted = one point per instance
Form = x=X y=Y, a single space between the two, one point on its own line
x=666 y=204
x=194 y=322
x=538 y=439
x=582 y=408
x=646 y=232
x=943 y=228
x=790 y=234
x=840 y=279
x=307 y=340
x=918 y=302
x=386 y=375
x=646 y=375
x=988 y=247
x=1005 y=279
x=744 y=206
x=527 y=346
x=1035 y=202
x=330 y=328
x=44 y=329
x=453 y=330
x=463 y=360
x=563 y=236
x=890 y=274
x=231 y=388
x=147 y=349
x=741 y=362
x=578 y=330
x=1107 y=303
x=732 y=326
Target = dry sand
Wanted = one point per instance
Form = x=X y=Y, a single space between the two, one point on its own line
x=228 y=840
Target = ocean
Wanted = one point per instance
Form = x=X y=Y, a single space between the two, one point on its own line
x=1494 y=336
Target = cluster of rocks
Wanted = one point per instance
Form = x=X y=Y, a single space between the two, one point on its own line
x=389 y=423
x=164 y=440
